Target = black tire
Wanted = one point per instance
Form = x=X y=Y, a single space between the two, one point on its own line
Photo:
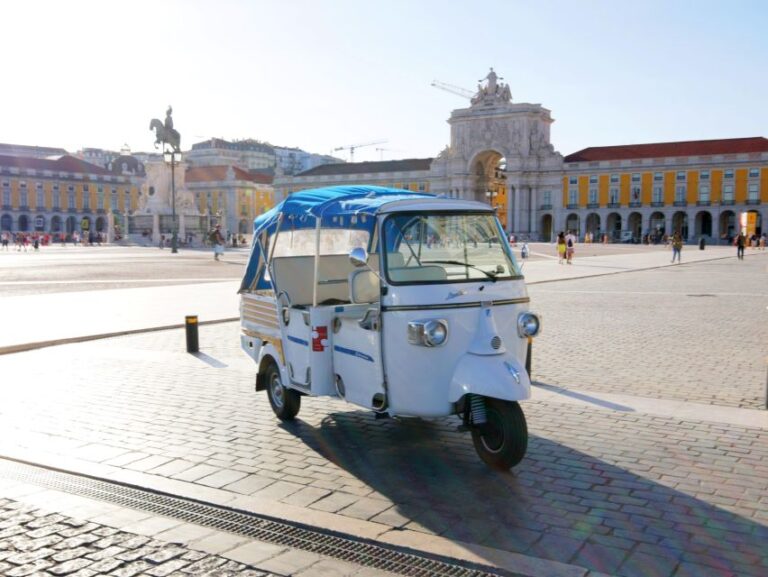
x=285 y=402
x=502 y=442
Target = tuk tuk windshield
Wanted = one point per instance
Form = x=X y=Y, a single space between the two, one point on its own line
x=446 y=247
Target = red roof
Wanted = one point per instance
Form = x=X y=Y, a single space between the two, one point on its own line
x=218 y=173
x=64 y=164
x=666 y=149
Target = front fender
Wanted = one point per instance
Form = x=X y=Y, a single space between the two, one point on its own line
x=498 y=376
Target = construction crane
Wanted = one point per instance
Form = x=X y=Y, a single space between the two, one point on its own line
x=453 y=89
x=352 y=148
x=381 y=151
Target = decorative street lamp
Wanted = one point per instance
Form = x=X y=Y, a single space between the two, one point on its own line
x=170 y=139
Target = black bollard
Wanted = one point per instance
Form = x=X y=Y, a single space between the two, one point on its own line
x=190 y=324
x=529 y=354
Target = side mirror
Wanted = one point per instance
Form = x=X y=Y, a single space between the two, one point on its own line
x=358 y=257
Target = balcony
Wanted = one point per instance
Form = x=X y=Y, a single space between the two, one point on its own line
x=635 y=204
x=703 y=203
x=545 y=207
x=574 y=206
x=752 y=201
x=728 y=202
x=680 y=203
x=658 y=203
x=593 y=205
x=614 y=205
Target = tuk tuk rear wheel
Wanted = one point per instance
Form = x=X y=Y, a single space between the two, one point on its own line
x=503 y=440
x=285 y=402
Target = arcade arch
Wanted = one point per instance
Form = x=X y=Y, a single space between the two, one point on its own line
x=703 y=224
x=547 y=228
x=680 y=224
x=635 y=225
x=593 y=224
x=488 y=169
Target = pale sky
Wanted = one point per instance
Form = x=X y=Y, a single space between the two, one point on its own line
x=319 y=74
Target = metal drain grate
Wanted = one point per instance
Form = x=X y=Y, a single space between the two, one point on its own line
x=294 y=535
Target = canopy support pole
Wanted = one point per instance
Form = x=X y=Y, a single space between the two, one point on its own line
x=317 y=260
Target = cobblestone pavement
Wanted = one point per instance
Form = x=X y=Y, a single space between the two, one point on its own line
x=618 y=492
x=34 y=542
x=695 y=332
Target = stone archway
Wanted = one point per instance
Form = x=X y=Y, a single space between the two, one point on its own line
x=657 y=226
x=56 y=223
x=71 y=224
x=488 y=169
x=547 y=228
x=40 y=223
x=727 y=222
x=758 y=221
x=6 y=223
x=101 y=224
x=703 y=224
x=23 y=223
x=613 y=224
x=680 y=224
x=593 y=226
x=572 y=223
x=635 y=225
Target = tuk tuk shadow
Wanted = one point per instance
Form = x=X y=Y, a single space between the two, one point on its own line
x=559 y=503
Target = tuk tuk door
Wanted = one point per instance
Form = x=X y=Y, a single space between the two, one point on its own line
x=357 y=362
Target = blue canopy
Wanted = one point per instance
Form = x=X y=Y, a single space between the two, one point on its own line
x=333 y=205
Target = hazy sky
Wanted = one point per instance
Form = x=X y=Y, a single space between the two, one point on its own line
x=319 y=74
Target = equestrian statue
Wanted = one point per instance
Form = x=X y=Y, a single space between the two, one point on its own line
x=165 y=133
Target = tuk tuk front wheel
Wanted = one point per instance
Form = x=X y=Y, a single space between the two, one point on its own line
x=285 y=402
x=503 y=440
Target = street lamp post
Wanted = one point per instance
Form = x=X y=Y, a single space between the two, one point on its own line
x=173 y=157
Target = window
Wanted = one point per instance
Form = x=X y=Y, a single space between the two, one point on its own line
x=680 y=193
x=547 y=196
x=658 y=177
x=681 y=176
x=753 y=192
x=704 y=193
x=658 y=194
x=40 y=194
x=70 y=197
x=614 y=178
x=613 y=195
x=113 y=202
x=704 y=175
x=728 y=173
x=573 y=196
x=635 y=194
x=6 y=196
x=592 y=196
x=100 y=199
x=573 y=180
x=593 y=179
x=23 y=196
x=422 y=187
x=86 y=200
x=56 y=197
x=754 y=173
x=635 y=178
x=728 y=192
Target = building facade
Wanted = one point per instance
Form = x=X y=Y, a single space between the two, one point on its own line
x=65 y=195
x=500 y=153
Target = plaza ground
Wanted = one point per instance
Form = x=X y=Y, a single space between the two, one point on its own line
x=648 y=451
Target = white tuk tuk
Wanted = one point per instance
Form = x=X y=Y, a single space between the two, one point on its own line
x=404 y=303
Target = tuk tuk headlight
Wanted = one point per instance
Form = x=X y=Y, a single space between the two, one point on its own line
x=431 y=333
x=528 y=324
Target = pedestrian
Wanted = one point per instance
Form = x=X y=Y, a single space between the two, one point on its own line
x=162 y=241
x=762 y=241
x=217 y=240
x=5 y=241
x=524 y=250
x=561 y=247
x=570 y=246
x=741 y=242
x=677 y=246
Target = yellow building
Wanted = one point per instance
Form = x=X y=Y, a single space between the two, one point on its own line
x=65 y=195
x=697 y=188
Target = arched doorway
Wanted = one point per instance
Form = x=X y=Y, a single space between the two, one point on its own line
x=680 y=224
x=23 y=223
x=758 y=222
x=703 y=224
x=635 y=225
x=547 y=233
x=490 y=186
x=55 y=223
x=593 y=225
x=613 y=225
x=101 y=224
x=71 y=224
x=40 y=223
x=727 y=222
x=657 y=226
x=6 y=223
x=572 y=224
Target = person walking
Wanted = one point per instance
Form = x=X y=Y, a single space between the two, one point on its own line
x=741 y=242
x=561 y=247
x=570 y=246
x=5 y=241
x=677 y=246
x=217 y=240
